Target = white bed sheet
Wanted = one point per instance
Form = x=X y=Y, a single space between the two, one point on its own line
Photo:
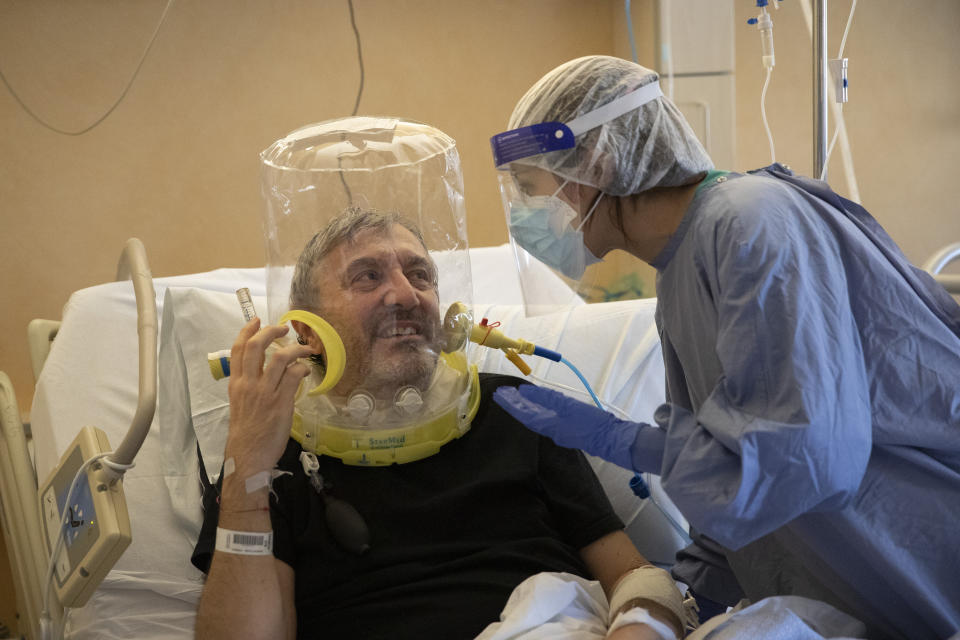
x=90 y=377
x=559 y=606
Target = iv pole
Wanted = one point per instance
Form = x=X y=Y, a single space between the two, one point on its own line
x=820 y=80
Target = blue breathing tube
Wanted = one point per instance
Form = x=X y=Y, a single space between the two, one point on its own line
x=488 y=336
x=637 y=484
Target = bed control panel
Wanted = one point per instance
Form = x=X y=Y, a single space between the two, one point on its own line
x=96 y=527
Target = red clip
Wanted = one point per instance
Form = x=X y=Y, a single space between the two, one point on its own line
x=489 y=327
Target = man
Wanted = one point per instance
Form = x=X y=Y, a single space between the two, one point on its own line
x=451 y=535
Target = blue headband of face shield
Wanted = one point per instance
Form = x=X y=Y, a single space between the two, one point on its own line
x=552 y=136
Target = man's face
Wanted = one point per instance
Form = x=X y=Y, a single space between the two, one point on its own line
x=379 y=293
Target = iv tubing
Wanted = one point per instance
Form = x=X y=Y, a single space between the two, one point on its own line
x=839 y=116
x=853 y=188
x=763 y=114
x=633 y=42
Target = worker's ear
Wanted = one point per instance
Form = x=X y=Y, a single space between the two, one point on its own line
x=587 y=195
x=602 y=170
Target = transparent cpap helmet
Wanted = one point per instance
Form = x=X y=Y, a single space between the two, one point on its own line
x=367 y=258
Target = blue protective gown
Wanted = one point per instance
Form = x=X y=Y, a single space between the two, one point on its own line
x=813 y=416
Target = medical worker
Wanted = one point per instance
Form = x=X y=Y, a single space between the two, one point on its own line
x=812 y=423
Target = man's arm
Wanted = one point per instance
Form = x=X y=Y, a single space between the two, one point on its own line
x=253 y=593
x=249 y=593
x=610 y=559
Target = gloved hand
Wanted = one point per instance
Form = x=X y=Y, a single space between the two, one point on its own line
x=577 y=425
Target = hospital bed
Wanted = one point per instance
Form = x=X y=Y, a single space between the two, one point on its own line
x=90 y=377
x=89 y=374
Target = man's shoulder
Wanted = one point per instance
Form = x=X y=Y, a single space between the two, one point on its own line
x=489 y=411
x=490 y=381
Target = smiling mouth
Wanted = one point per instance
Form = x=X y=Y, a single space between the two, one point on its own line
x=400 y=332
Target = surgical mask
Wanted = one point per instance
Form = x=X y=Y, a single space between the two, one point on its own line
x=543 y=226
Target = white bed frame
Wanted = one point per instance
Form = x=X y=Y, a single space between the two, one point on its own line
x=21 y=514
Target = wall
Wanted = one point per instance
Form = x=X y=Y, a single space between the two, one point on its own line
x=691 y=44
x=902 y=116
x=176 y=164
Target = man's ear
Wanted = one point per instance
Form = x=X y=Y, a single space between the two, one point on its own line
x=306 y=335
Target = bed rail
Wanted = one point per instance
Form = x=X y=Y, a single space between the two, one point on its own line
x=133 y=264
x=40 y=335
x=21 y=513
x=938 y=261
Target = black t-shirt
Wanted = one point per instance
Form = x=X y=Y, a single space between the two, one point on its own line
x=451 y=535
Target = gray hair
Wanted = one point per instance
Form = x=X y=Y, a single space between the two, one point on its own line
x=344 y=228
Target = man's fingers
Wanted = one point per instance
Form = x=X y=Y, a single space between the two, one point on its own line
x=283 y=359
x=236 y=351
x=292 y=376
x=255 y=348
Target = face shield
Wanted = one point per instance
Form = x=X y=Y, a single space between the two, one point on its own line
x=366 y=243
x=547 y=211
x=590 y=131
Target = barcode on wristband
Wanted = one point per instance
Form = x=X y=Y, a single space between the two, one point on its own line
x=244 y=542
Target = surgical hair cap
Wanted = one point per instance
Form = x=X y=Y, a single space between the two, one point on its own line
x=652 y=146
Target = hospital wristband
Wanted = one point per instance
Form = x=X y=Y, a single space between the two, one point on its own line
x=245 y=543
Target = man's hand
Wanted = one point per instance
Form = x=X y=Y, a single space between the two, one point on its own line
x=261 y=398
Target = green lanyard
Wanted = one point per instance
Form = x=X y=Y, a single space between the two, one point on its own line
x=712 y=176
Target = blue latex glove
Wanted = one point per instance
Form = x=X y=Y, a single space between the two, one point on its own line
x=577 y=425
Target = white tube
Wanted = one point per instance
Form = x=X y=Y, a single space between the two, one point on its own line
x=763 y=115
